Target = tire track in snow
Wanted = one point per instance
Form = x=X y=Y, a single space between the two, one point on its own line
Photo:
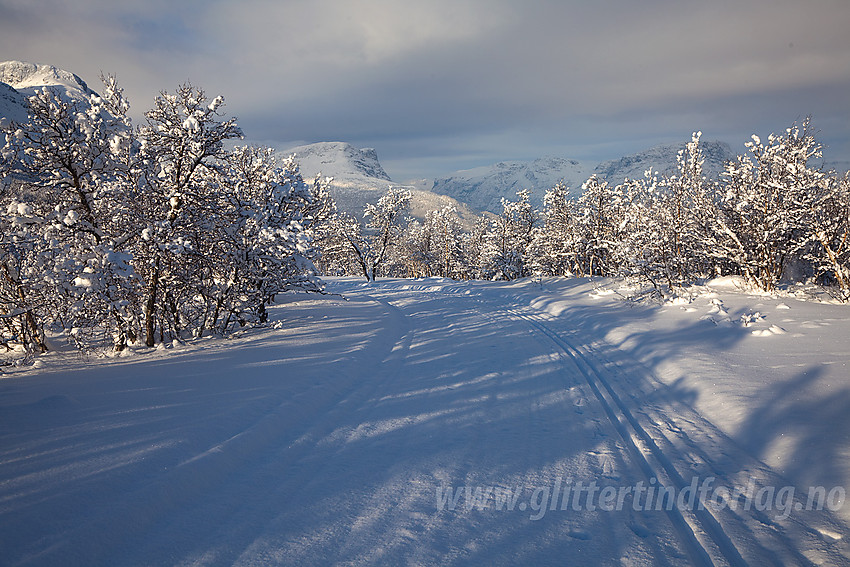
x=290 y=470
x=534 y=426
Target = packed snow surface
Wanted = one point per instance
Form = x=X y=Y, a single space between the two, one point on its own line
x=430 y=422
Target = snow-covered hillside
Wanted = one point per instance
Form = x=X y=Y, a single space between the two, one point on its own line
x=483 y=188
x=358 y=178
x=434 y=422
x=27 y=78
x=19 y=81
x=13 y=105
x=344 y=160
x=662 y=159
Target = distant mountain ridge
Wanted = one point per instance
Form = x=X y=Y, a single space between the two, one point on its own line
x=662 y=158
x=27 y=78
x=339 y=159
x=484 y=187
x=359 y=178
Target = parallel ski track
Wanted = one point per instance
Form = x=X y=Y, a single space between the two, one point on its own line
x=698 y=529
x=703 y=537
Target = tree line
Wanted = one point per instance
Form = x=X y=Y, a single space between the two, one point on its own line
x=115 y=234
x=773 y=215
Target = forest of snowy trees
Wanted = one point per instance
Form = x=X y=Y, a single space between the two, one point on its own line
x=772 y=216
x=117 y=235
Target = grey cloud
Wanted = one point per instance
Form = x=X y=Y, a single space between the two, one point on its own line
x=484 y=80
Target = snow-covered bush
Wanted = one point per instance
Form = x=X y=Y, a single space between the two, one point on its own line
x=65 y=214
x=373 y=246
x=766 y=204
x=111 y=234
x=508 y=240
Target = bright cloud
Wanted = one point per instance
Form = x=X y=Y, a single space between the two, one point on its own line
x=543 y=76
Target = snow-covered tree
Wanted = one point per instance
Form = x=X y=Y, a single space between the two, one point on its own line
x=68 y=165
x=263 y=245
x=553 y=249
x=685 y=213
x=181 y=151
x=25 y=296
x=599 y=227
x=371 y=246
x=643 y=246
x=509 y=237
x=473 y=249
x=432 y=247
x=829 y=227
x=766 y=204
x=107 y=232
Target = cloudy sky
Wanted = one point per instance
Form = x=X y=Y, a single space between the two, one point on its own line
x=448 y=84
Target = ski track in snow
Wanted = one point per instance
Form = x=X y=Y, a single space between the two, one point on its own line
x=328 y=442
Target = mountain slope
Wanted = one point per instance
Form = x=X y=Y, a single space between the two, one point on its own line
x=13 y=105
x=20 y=80
x=662 y=158
x=28 y=78
x=483 y=188
x=340 y=160
x=358 y=178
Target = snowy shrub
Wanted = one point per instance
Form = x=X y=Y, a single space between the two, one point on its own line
x=115 y=235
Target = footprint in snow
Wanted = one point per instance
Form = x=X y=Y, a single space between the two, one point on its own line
x=607 y=465
x=640 y=530
x=578 y=403
x=720 y=321
x=579 y=534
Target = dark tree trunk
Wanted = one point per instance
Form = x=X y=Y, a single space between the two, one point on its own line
x=150 y=323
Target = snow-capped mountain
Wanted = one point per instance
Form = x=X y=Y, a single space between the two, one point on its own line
x=19 y=81
x=483 y=188
x=358 y=178
x=340 y=160
x=27 y=78
x=662 y=158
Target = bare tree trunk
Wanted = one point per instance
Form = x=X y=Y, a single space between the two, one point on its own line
x=150 y=324
x=175 y=314
x=29 y=318
x=120 y=341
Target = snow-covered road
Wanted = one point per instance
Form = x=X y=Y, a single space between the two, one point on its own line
x=414 y=422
